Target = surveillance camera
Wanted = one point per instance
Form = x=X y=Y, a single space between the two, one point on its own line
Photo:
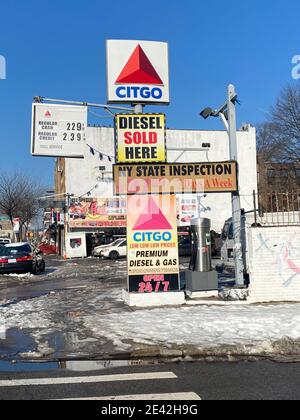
x=207 y=112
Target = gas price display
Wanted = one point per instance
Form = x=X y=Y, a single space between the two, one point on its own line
x=58 y=130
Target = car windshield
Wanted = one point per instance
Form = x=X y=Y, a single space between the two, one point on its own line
x=117 y=242
x=15 y=250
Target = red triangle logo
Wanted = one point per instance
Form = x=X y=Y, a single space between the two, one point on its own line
x=139 y=70
x=48 y=114
x=152 y=218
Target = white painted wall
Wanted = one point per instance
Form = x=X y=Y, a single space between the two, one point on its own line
x=274 y=264
x=81 y=175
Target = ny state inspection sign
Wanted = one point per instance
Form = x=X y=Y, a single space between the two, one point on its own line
x=140 y=138
x=58 y=130
x=137 y=72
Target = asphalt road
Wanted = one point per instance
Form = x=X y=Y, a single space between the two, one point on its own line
x=262 y=380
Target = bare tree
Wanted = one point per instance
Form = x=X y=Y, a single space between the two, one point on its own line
x=268 y=147
x=19 y=199
x=279 y=138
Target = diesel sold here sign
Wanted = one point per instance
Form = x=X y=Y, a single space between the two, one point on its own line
x=140 y=138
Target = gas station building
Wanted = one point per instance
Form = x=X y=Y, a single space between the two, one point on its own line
x=92 y=177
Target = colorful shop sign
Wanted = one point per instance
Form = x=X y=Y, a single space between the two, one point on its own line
x=98 y=212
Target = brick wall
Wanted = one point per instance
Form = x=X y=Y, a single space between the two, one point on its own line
x=274 y=263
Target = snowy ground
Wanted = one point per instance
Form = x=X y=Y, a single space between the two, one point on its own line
x=76 y=310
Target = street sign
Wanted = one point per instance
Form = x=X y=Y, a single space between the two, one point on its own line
x=153 y=262
x=176 y=178
x=58 y=130
x=140 y=138
x=137 y=72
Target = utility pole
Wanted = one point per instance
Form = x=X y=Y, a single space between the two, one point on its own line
x=227 y=114
x=138 y=108
x=235 y=197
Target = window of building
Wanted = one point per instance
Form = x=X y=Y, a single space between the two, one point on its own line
x=284 y=173
x=271 y=175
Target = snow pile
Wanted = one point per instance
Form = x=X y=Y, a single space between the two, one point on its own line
x=28 y=314
x=19 y=276
x=201 y=327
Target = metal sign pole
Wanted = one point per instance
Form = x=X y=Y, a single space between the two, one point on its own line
x=138 y=109
x=236 y=201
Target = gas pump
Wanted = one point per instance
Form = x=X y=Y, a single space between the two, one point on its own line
x=200 y=276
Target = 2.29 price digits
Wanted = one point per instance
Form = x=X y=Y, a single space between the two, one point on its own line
x=74 y=132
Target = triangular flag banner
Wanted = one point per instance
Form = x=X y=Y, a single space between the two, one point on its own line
x=152 y=218
x=139 y=70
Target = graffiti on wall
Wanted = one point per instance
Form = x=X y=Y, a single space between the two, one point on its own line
x=286 y=254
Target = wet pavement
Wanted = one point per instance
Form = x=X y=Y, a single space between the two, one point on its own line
x=45 y=316
x=45 y=311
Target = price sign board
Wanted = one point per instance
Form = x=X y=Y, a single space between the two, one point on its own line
x=58 y=130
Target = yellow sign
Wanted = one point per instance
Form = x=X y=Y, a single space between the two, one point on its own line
x=176 y=178
x=153 y=262
x=140 y=138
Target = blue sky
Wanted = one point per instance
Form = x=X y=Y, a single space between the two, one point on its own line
x=57 y=49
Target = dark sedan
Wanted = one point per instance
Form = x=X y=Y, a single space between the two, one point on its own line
x=20 y=258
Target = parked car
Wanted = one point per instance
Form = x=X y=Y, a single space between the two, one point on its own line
x=115 y=250
x=21 y=258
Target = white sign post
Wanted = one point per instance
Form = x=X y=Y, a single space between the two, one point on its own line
x=58 y=130
x=138 y=72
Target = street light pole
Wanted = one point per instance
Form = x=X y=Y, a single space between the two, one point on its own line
x=227 y=114
x=235 y=197
x=138 y=109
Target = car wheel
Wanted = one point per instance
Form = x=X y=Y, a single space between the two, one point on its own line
x=35 y=271
x=114 y=255
x=39 y=268
x=42 y=267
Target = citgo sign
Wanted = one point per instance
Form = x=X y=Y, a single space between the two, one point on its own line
x=153 y=263
x=137 y=71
